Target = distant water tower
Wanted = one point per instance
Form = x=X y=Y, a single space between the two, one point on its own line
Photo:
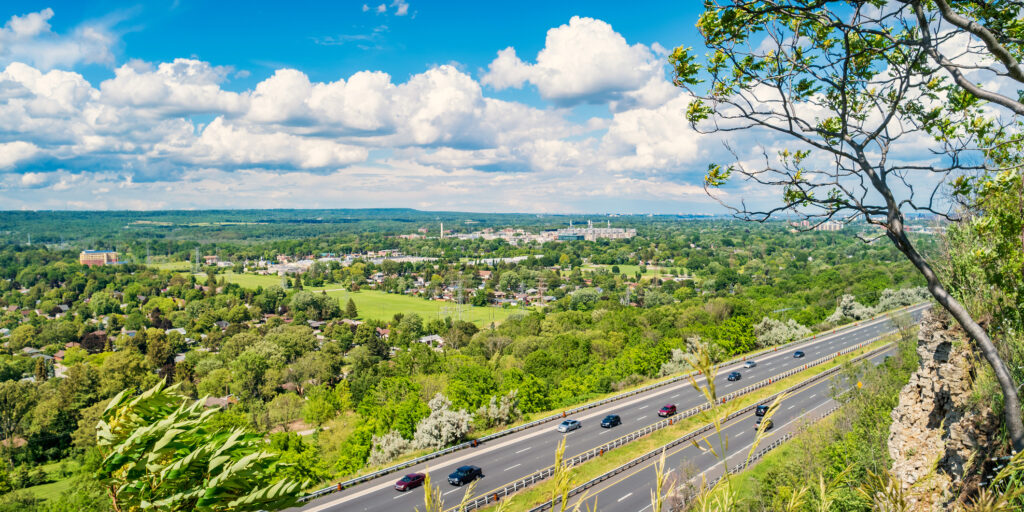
x=442 y=230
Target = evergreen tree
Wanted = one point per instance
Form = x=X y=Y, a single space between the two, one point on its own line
x=350 y=309
x=42 y=372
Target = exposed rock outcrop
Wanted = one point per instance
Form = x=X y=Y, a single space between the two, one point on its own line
x=937 y=437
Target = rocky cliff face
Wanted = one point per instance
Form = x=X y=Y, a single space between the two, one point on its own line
x=937 y=440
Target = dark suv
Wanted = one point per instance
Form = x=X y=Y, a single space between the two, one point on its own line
x=798 y=354
x=465 y=475
x=761 y=410
x=734 y=376
x=611 y=420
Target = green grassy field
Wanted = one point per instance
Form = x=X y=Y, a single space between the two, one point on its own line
x=173 y=265
x=252 y=281
x=383 y=306
x=628 y=270
x=53 y=489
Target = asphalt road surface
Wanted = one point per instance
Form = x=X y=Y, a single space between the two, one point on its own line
x=507 y=459
x=631 y=491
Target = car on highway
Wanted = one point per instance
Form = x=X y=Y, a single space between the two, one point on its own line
x=761 y=410
x=734 y=376
x=798 y=354
x=611 y=420
x=767 y=427
x=667 y=410
x=410 y=481
x=569 y=425
x=750 y=364
x=465 y=475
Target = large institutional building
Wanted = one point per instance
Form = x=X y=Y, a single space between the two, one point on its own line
x=97 y=258
x=590 y=233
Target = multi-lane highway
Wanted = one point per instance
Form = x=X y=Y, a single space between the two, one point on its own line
x=507 y=459
x=631 y=490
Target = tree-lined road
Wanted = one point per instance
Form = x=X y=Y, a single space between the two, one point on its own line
x=510 y=458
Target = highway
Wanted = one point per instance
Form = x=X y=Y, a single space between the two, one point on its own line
x=509 y=458
x=631 y=491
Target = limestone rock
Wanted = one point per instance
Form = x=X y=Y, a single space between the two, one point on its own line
x=936 y=437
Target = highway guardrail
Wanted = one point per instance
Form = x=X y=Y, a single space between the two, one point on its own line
x=496 y=494
x=747 y=462
x=519 y=428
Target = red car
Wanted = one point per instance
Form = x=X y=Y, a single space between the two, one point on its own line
x=666 y=411
x=409 y=481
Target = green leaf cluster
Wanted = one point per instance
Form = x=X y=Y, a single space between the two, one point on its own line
x=161 y=454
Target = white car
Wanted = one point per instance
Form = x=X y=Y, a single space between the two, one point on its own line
x=569 y=425
x=750 y=364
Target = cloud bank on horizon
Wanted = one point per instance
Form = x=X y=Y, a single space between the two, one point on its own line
x=159 y=135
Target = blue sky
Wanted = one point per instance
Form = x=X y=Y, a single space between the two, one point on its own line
x=531 y=106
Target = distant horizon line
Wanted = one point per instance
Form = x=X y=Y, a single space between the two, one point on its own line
x=466 y=212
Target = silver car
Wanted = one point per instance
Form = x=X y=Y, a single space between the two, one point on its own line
x=569 y=425
x=750 y=364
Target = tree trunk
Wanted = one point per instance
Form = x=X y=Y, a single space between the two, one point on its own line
x=1011 y=401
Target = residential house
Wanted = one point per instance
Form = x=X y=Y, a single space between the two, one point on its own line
x=432 y=340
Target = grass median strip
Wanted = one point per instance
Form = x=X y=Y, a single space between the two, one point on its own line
x=541 y=492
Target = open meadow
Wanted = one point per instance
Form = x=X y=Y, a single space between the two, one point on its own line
x=383 y=306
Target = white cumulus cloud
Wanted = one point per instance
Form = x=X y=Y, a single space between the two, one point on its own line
x=28 y=38
x=583 y=61
x=18 y=151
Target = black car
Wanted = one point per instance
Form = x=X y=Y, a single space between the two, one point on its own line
x=611 y=420
x=798 y=354
x=465 y=475
x=734 y=376
x=761 y=410
x=766 y=427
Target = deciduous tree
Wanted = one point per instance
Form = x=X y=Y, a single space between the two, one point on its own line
x=844 y=86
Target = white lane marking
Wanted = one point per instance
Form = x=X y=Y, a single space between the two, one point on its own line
x=451 y=491
x=790 y=407
x=402 y=495
x=366 y=490
x=513 y=467
x=675 y=395
x=641 y=417
x=524 y=449
x=624 y=497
